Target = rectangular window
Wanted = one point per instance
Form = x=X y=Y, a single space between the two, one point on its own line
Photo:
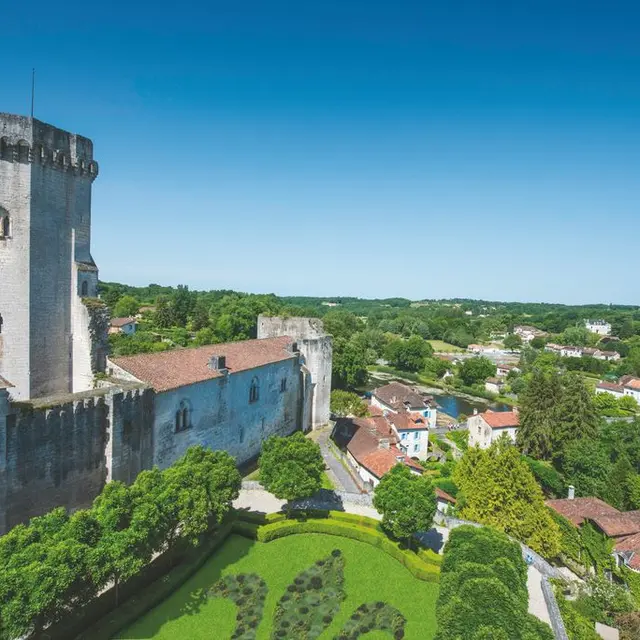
x=283 y=385
x=416 y=447
x=403 y=436
x=416 y=435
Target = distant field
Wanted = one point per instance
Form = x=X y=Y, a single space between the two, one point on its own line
x=444 y=347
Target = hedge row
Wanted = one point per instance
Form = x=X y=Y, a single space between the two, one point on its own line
x=419 y=565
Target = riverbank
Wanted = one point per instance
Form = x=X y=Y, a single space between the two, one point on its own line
x=452 y=401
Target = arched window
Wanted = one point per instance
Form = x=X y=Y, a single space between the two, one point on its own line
x=254 y=391
x=84 y=289
x=183 y=416
x=6 y=152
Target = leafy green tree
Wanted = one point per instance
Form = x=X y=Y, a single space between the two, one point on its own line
x=125 y=307
x=341 y=324
x=587 y=467
x=476 y=370
x=497 y=488
x=578 y=336
x=204 y=336
x=347 y=403
x=164 y=316
x=406 y=501
x=349 y=370
x=182 y=304
x=512 y=342
x=537 y=343
x=408 y=355
x=291 y=467
x=620 y=484
x=538 y=414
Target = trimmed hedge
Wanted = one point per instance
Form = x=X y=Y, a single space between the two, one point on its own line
x=420 y=564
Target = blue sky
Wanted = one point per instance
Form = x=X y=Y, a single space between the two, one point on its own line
x=417 y=149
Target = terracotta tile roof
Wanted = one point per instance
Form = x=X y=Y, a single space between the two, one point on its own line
x=398 y=395
x=443 y=495
x=630 y=543
x=610 y=386
x=634 y=383
x=173 y=369
x=501 y=419
x=616 y=525
x=578 y=510
x=408 y=422
x=378 y=462
x=121 y=322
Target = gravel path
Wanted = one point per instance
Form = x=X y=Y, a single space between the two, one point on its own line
x=537 y=603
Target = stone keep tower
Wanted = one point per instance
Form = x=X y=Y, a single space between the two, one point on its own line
x=317 y=349
x=50 y=342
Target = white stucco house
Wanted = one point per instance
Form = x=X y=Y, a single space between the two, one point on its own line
x=601 y=327
x=494 y=385
x=485 y=428
x=503 y=370
x=631 y=387
x=611 y=388
x=400 y=398
x=444 y=501
x=528 y=333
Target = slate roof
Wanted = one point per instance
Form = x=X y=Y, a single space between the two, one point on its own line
x=501 y=419
x=181 y=367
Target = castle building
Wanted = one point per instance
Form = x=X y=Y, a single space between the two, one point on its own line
x=64 y=431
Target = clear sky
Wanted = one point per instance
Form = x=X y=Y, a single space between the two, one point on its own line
x=418 y=149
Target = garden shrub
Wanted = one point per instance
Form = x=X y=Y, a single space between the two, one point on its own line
x=551 y=481
x=312 y=600
x=248 y=591
x=374 y=616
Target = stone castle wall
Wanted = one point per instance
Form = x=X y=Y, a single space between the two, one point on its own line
x=317 y=349
x=62 y=453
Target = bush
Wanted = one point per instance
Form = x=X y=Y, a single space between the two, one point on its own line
x=551 y=481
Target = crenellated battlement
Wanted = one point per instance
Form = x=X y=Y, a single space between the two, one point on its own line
x=29 y=141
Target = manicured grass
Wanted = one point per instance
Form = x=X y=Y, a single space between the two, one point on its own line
x=444 y=347
x=370 y=575
x=326 y=482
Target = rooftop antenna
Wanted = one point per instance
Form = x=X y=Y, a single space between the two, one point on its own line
x=33 y=89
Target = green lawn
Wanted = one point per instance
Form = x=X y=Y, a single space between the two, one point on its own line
x=370 y=575
x=444 y=347
x=326 y=482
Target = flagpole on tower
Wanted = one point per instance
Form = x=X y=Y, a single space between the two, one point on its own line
x=33 y=89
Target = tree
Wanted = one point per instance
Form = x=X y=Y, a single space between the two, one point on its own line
x=537 y=343
x=406 y=501
x=578 y=336
x=125 y=307
x=497 y=488
x=538 y=408
x=576 y=415
x=341 y=324
x=347 y=403
x=587 y=467
x=181 y=304
x=476 y=370
x=164 y=317
x=620 y=484
x=512 y=342
x=291 y=467
x=408 y=355
x=349 y=370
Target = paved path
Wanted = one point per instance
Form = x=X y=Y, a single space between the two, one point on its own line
x=537 y=603
x=256 y=499
x=337 y=473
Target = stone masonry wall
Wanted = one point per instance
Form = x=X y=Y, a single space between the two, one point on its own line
x=62 y=453
x=316 y=347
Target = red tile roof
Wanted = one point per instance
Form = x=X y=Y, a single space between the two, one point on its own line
x=121 y=322
x=408 y=421
x=610 y=386
x=181 y=367
x=634 y=383
x=617 y=525
x=443 y=495
x=501 y=419
x=578 y=510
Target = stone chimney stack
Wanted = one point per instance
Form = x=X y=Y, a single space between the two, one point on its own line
x=218 y=363
x=572 y=492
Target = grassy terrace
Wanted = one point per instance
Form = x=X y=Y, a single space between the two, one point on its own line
x=370 y=575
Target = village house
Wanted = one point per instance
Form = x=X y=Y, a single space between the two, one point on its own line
x=444 y=501
x=485 y=428
x=601 y=327
x=622 y=527
x=528 y=333
x=126 y=326
x=494 y=385
x=616 y=390
x=626 y=386
x=503 y=370
x=399 y=398
x=372 y=449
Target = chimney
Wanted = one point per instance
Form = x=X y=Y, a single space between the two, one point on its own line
x=475 y=412
x=515 y=410
x=218 y=363
x=572 y=492
x=384 y=443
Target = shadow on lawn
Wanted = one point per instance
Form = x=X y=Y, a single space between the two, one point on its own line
x=190 y=597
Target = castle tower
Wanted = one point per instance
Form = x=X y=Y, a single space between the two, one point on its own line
x=46 y=271
x=317 y=349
